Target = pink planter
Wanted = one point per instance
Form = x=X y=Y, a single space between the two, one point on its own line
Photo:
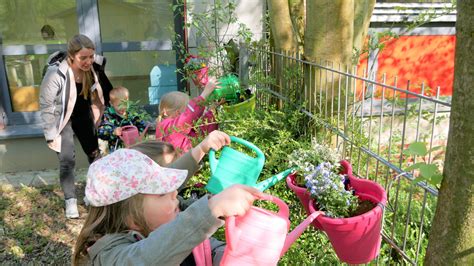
x=357 y=239
x=201 y=77
x=303 y=194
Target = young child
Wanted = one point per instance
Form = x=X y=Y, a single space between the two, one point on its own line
x=179 y=114
x=135 y=216
x=115 y=117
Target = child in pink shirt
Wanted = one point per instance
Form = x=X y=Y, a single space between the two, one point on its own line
x=179 y=115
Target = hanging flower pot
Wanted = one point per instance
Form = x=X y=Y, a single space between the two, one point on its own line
x=303 y=194
x=200 y=77
x=356 y=239
x=197 y=69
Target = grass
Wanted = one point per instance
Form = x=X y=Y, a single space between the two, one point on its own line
x=33 y=228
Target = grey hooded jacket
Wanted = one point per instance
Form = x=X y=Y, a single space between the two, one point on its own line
x=58 y=96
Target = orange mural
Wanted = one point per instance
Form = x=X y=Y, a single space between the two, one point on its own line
x=418 y=59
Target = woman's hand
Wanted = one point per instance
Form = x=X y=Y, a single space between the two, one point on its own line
x=211 y=85
x=215 y=140
x=234 y=200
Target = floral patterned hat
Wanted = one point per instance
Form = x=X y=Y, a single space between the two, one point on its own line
x=125 y=173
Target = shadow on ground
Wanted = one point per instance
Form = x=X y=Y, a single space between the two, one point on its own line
x=33 y=228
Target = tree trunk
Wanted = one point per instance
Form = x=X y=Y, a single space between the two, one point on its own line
x=282 y=28
x=451 y=239
x=329 y=32
x=362 y=13
x=298 y=18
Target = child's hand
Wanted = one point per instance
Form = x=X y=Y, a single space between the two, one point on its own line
x=118 y=131
x=234 y=200
x=215 y=140
x=210 y=86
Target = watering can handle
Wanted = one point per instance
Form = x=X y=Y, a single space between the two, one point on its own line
x=249 y=145
x=212 y=152
x=283 y=210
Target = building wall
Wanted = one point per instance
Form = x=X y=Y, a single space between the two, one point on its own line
x=23 y=154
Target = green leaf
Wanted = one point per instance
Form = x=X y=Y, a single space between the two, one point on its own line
x=415 y=166
x=428 y=170
x=417 y=149
x=436 y=179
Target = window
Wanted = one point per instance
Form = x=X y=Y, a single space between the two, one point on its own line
x=27 y=29
x=134 y=35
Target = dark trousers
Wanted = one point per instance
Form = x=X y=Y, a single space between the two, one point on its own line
x=67 y=157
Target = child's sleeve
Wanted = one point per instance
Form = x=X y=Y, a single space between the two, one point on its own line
x=209 y=123
x=191 y=114
x=185 y=162
x=169 y=244
x=106 y=128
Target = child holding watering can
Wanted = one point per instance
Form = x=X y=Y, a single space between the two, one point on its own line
x=179 y=115
x=135 y=216
x=115 y=117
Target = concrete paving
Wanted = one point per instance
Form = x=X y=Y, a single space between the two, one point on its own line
x=37 y=178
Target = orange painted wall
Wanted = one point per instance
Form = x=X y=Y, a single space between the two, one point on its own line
x=427 y=58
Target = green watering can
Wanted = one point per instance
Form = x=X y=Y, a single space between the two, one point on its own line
x=229 y=89
x=235 y=167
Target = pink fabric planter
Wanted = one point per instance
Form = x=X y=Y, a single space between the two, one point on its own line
x=201 y=77
x=357 y=239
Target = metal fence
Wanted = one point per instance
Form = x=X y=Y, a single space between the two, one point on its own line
x=371 y=123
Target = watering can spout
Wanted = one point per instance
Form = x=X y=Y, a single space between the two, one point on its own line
x=293 y=235
x=265 y=184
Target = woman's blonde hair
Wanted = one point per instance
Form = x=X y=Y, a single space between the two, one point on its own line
x=115 y=218
x=75 y=44
x=172 y=102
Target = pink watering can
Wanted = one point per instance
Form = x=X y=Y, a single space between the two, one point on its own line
x=130 y=135
x=260 y=237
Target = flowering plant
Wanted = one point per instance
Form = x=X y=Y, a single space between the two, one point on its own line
x=195 y=63
x=321 y=172
x=303 y=159
x=327 y=186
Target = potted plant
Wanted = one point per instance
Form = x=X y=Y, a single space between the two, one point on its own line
x=197 y=69
x=353 y=207
x=218 y=34
x=301 y=160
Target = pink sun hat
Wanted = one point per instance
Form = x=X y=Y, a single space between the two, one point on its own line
x=125 y=173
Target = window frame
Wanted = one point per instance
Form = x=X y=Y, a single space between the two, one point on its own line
x=87 y=14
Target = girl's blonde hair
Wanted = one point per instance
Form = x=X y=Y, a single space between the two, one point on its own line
x=75 y=44
x=119 y=93
x=115 y=218
x=172 y=102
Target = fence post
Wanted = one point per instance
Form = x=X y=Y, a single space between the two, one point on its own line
x=244 y=65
